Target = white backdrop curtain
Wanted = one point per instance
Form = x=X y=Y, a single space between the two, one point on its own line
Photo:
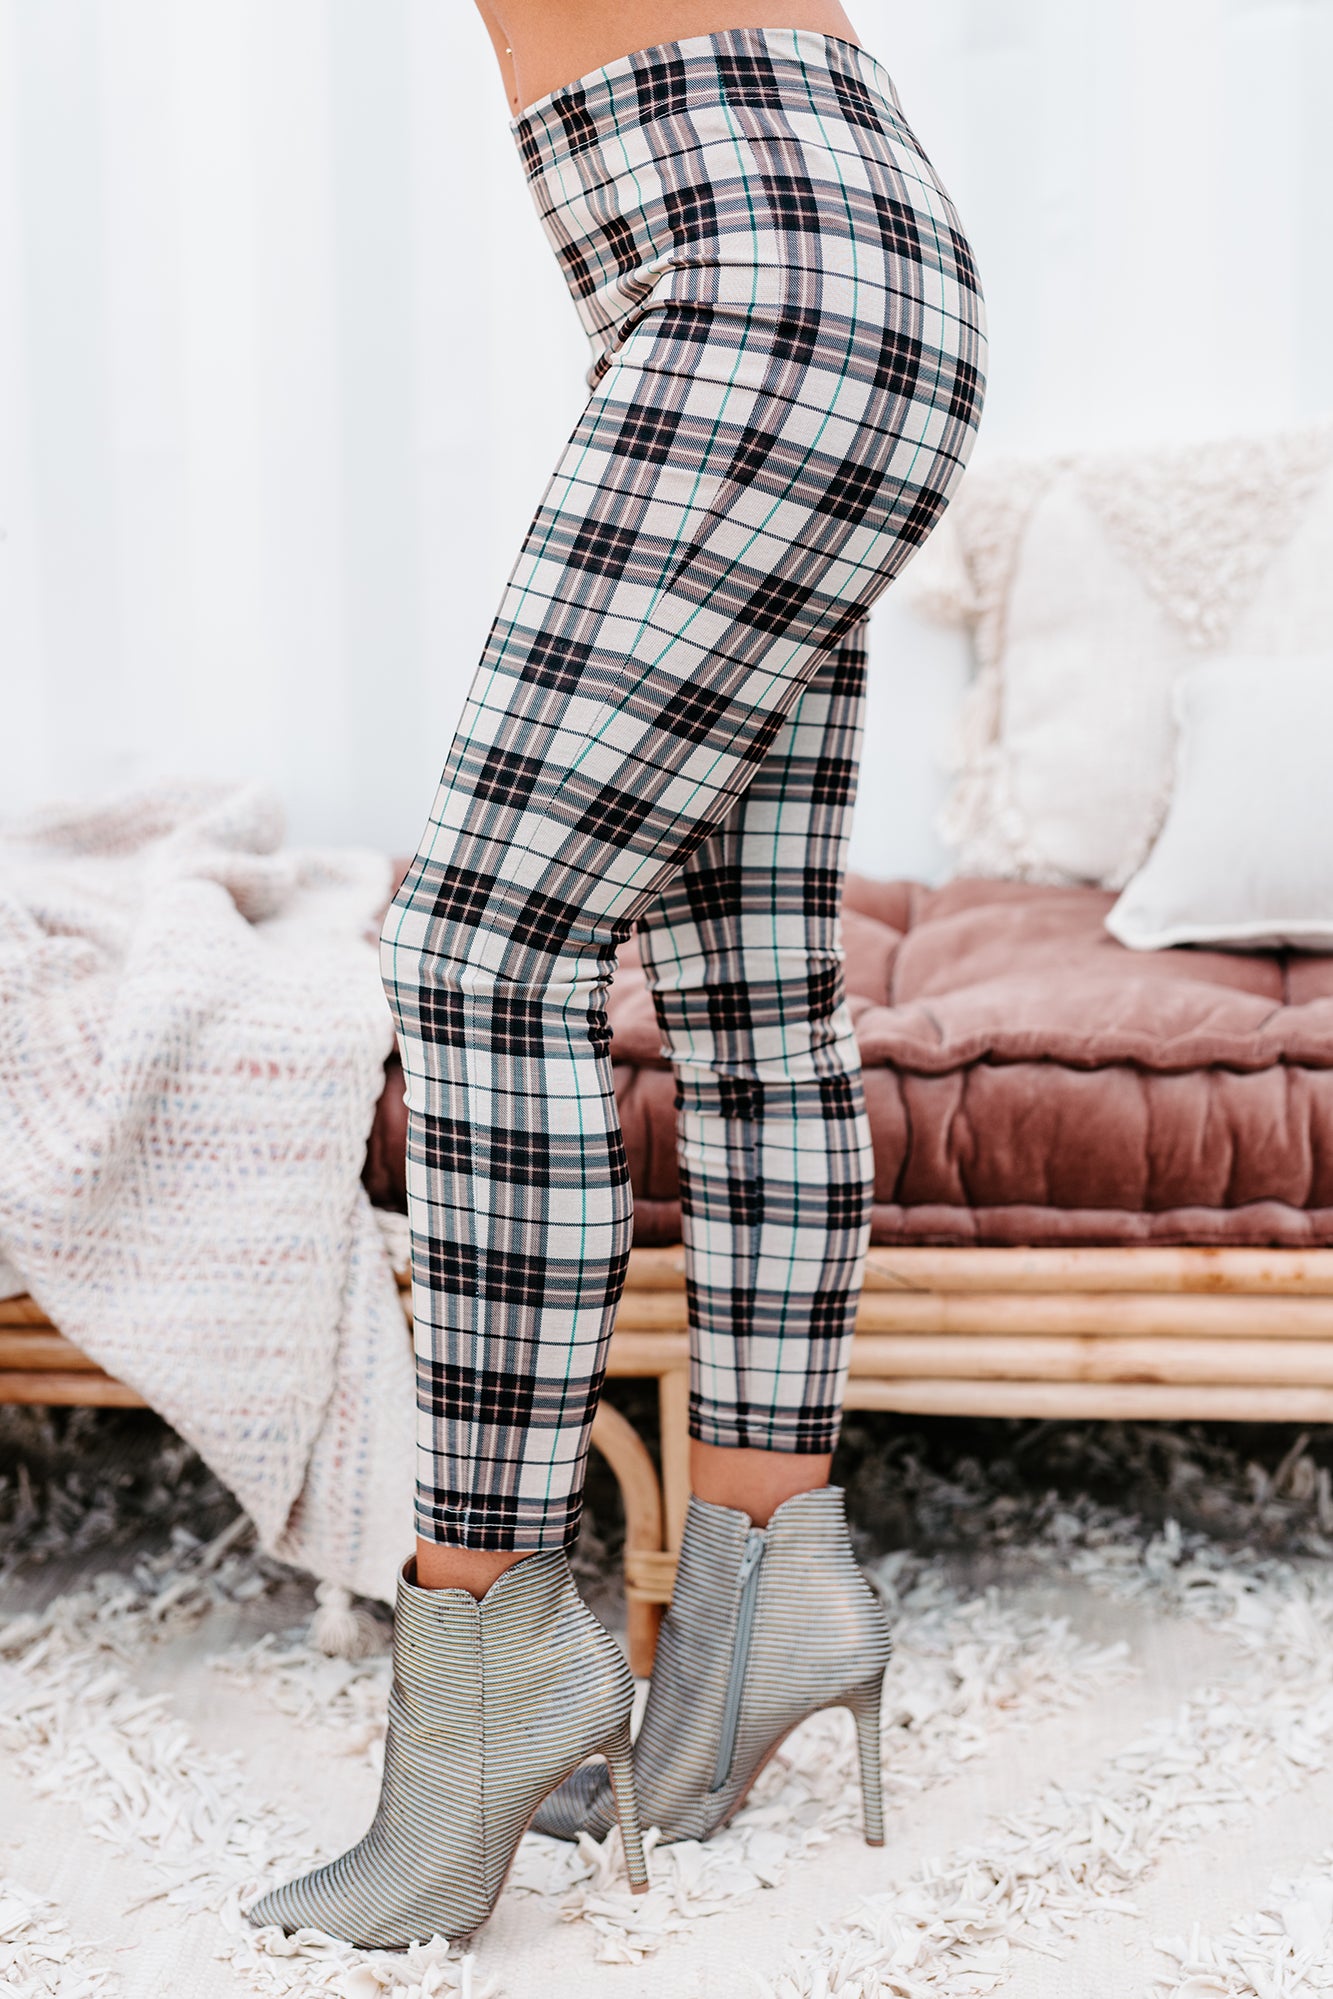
x=284 y=359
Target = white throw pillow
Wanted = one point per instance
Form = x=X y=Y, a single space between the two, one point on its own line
x=1245 y=857
x=1091 y=583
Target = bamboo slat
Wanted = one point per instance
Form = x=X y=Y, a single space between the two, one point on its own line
x=1234 y=1315
x=636 y=1354
x=22 y=1311
x=1120 y=1314
x=1304 y=1363
x=67 y=1389
x=1131 y=1268
x=42 y=1349
x=657 y=1269
x=1096 y=1401
x=653 y=1319
x=655 y=1310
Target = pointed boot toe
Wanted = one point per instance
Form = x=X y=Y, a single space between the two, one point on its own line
x=493 y=1704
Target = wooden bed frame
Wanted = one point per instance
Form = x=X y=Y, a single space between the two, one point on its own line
x=1238 y=1335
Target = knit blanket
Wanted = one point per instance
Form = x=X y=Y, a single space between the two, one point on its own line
x=192 y=1041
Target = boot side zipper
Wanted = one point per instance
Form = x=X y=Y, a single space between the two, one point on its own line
x=748 y=1578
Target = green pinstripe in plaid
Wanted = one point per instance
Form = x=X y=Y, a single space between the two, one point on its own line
x=663 y=733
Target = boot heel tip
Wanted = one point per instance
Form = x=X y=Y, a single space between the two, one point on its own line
x=639 y=1887
x=874 y=1842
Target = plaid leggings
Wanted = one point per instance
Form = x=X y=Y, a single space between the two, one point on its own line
x=663 y=733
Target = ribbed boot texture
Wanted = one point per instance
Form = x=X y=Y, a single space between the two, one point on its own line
x=817 y=1637
x=492 y=1704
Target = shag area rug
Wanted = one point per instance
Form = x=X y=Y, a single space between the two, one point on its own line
x=1108 y=1748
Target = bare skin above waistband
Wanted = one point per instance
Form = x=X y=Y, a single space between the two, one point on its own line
x=541 y=45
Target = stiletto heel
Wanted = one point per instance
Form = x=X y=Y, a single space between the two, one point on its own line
x=620 y=1762
x=865 y=1710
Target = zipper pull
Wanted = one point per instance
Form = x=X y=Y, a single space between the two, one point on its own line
x=751 y=1555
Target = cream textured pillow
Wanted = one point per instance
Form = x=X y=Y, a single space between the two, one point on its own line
x=1246 y=855
x=1091 y=583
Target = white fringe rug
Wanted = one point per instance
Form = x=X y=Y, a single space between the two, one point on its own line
x=1108 y=1759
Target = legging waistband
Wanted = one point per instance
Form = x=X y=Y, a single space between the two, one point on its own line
x=683 y=170
x=744 y=69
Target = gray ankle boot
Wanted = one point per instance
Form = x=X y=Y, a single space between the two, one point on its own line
x=766 y=1625
x=493 y=1703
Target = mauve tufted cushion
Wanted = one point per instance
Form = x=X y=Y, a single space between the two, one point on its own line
x=1029 y=1080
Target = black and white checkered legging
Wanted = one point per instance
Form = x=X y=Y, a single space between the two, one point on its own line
x=664 y=733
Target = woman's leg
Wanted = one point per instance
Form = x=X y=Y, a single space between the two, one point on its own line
x=787 y=386
x=632 y=685
x=647 y=652
x=743 y=954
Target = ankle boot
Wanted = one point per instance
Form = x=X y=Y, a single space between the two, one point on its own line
x=493 y=1703
x=766 y=1625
